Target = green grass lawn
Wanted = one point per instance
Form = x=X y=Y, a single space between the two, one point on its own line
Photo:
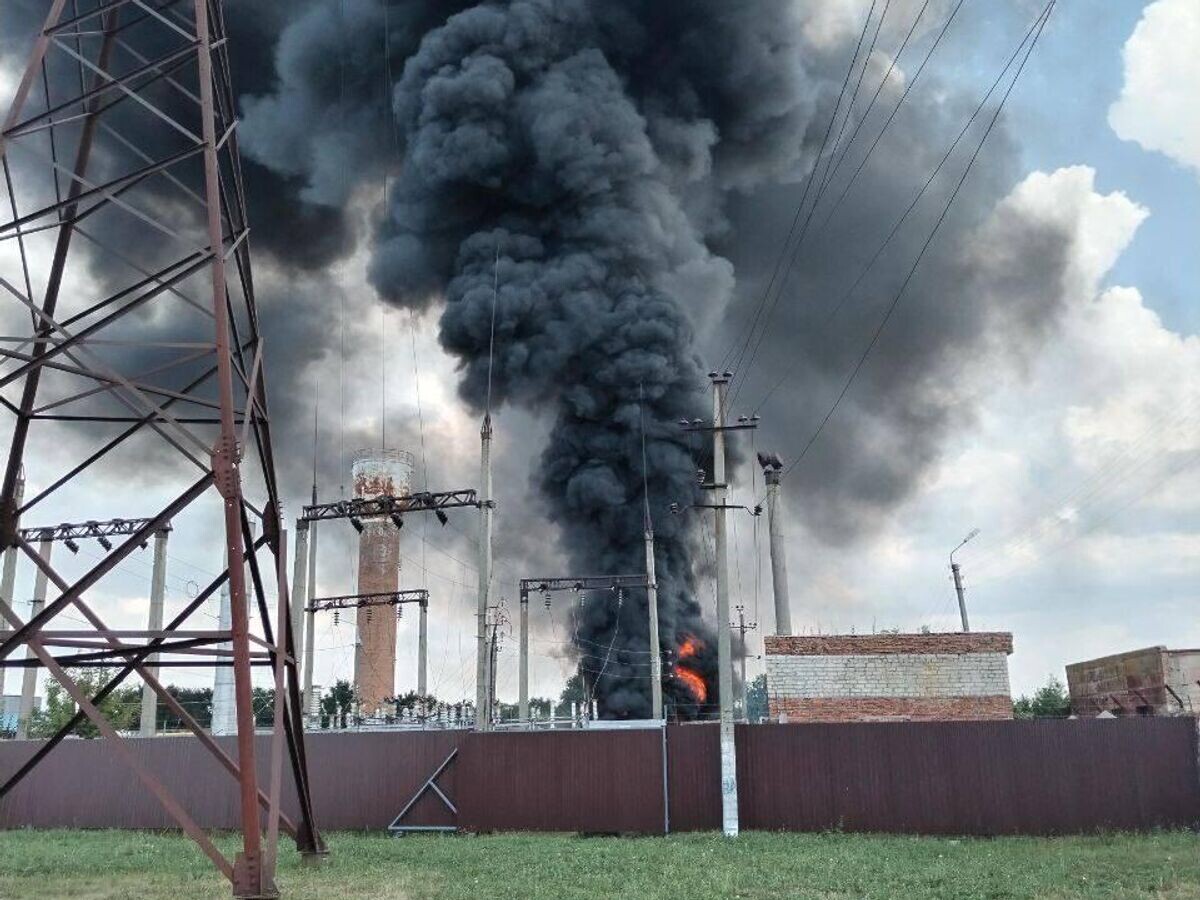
x=94 y=865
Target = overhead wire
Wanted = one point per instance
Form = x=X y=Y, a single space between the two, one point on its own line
x=930 y=179
x=1040 y=25
x=733 y=356
x=743 y=370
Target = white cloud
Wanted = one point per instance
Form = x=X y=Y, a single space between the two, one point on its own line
x=1157 y=107
x=1075 y=472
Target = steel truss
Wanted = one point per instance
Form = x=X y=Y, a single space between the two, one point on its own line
x=125 y=205
x=375 y=507
x=581 y=583
x=358 y=601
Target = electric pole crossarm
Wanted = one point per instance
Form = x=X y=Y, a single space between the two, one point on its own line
x=582 y=583
x=363 y=508
x=86 y=530
x=357 y=601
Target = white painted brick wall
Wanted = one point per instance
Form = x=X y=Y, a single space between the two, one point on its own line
x=889 y=675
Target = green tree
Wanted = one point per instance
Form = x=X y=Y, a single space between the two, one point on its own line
x=1050 y=701
x=756 y=699
x=337 y=705
x=264 y=706
x=122 y=708
x=574 y=691
x=197 y=702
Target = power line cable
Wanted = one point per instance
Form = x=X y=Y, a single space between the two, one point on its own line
x=751 y=329
x=837 y=307
x=804 y=231
x=929 y=240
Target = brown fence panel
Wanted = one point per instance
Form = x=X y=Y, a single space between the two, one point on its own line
x=694 y=777
x=1040 y=777
x=590 y=781
x=982 y=778
x=359 y=781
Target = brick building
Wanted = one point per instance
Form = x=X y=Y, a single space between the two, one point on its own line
x=889 y=677
x=1153 y=681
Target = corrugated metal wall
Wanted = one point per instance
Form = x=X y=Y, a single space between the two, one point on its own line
x=935 y=778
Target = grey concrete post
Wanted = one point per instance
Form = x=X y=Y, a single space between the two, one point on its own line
x=29 y=679
x=423 y=651
x=309 y=702
x=523 y=667
x=656 y=701
x=779 y=580
x=299 y=598
x=962 y=597
x=8 y=580
x=482 y=669
x=158 y=589
x=729 y=794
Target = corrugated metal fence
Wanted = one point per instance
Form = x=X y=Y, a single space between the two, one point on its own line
x=982 y=778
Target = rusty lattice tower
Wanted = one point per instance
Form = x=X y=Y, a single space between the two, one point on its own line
x=131 y=341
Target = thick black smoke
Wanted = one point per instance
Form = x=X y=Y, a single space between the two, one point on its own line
x=621 y=159
x=592 y=154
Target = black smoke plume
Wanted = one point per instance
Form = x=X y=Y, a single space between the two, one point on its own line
x=611 y=164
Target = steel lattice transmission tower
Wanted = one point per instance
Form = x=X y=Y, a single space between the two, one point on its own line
x=131 y=341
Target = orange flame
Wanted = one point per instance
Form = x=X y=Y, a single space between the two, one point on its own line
x=690 y=647
x=694 y=682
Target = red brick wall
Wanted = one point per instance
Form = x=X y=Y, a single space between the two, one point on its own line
x=866 y=709
x=843 y=644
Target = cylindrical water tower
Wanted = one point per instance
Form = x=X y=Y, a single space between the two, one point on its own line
x=378 y=473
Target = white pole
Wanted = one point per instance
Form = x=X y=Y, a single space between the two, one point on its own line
x=29 y=681
x=422 y=652
x=779 y=582
x=309 y=703
x=729 y=794
x=158 y=589
x=223 y=721
x=523 y=667
x=299 y=597
x=656 y=701
x=482 y=669
x=8 y=581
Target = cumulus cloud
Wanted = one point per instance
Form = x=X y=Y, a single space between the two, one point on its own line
x=1157 y=106
x=1080 y=471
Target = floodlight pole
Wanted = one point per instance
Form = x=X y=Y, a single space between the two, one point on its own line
x=956 y=572
x=483 y=670
x=299 y=598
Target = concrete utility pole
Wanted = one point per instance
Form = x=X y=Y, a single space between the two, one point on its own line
x=772 y=473
x=309 y=702
x=223 y=721
x=299 y=596
x=729 y=793
x=224 y=706
x=8 y=580
x=158 y=589
x=29 y=681
x=423 y=649
x=482 y=670
x=523 y=666
x=743 y=626
x=956 y=572
x=656 y=701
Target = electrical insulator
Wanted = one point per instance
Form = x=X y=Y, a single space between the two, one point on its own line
x=399 y=612
x=547 y=600
x=620 y=597
x=368 y=615
x=337 y=616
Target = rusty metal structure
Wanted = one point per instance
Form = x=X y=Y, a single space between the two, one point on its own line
x=126 y=256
